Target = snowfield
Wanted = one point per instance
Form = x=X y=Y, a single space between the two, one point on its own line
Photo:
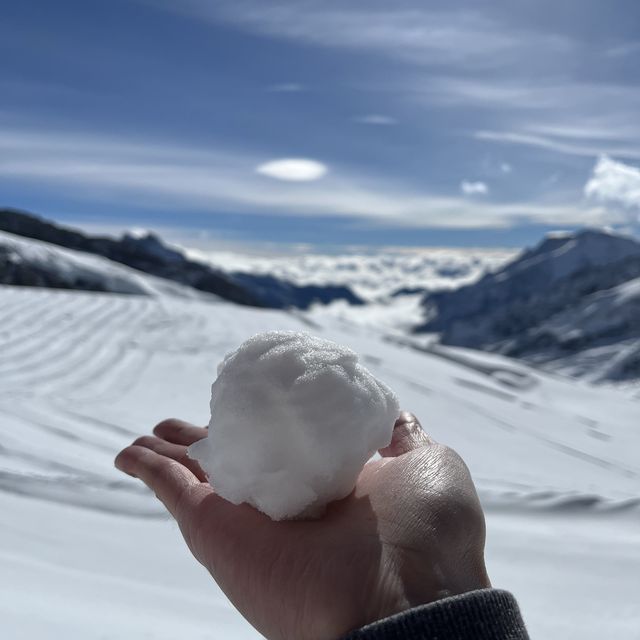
x=86 y=552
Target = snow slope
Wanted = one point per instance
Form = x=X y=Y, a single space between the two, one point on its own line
x=87 y=552
x=570 y=304
x=598 y=339
x=76 y=269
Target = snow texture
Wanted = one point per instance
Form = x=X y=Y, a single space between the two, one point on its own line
x=82 y=374
x=555 y=462
x=293 y=420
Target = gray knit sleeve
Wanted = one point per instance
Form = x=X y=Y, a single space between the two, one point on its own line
x=488 y=614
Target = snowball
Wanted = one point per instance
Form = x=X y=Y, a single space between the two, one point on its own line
x=294 y=418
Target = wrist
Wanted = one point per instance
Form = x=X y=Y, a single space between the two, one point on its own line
x=418 y=583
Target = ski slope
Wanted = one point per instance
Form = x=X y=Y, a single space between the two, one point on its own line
x=87 y=552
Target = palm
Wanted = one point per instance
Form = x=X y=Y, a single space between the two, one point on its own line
x=411 y=532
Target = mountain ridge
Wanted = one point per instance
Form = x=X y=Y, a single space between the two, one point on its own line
x=147 y=253
x=562 y=279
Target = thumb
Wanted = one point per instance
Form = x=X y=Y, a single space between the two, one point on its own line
x=407 y=436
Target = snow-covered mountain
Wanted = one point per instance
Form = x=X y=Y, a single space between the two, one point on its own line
x=87 y=552
x=572 y=303
x=31 y=263
x=568 y=305
x=147 y=254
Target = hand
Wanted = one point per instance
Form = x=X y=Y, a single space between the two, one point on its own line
x=411 y=532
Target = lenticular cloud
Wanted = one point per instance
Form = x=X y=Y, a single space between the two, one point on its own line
x=293 y=420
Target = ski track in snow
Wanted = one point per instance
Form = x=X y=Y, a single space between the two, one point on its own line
x=82 y=374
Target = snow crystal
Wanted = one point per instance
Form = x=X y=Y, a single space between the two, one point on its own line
x=293 y=420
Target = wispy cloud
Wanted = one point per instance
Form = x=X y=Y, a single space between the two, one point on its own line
x=474 y=188
x=375 y=119
x=587 y=148
x=623 y=50
x=511 y=76
x=615 y=183
x=568 y=116
x=167 y=176
x=293 y=169
x=406 y=31
x=286 y=87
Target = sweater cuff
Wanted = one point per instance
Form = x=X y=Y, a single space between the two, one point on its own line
x=487 y=614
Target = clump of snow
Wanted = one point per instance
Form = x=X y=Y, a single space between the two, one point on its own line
x=293 y=420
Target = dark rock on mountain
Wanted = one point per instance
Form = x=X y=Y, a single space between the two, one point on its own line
x=408 y=291
x=281 y=294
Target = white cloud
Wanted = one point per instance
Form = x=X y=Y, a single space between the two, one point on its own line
x=559 y=145
x=466 y=58
x=571 y=108
x=623 y=50
x=287 y=87
x=404 y=31
x=506 y=168
x=572 y=117
x=463 y=57
x=163 y=176
x=293 y=169
x=600 y=128
x=474 y=188
x=488 y=92
x=614 y=182
x=375 y=119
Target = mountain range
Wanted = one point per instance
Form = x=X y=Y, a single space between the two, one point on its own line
x=571 y=304
x=145 y=253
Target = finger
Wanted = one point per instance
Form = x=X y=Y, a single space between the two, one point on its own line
x=168 y=479
x=179 y=432
x=176 y=452
x=407 y=436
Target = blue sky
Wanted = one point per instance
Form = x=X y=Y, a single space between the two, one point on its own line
x=438 y=123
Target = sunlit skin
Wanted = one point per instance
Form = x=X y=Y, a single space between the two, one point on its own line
x=411 y=532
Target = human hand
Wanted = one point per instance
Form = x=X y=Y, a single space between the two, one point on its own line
x=411 y=532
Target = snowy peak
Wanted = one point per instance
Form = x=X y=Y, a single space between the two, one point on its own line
x=541 y=306
x=567 y=253
x=32 y=263
x=149 y=243
x=146 y=254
